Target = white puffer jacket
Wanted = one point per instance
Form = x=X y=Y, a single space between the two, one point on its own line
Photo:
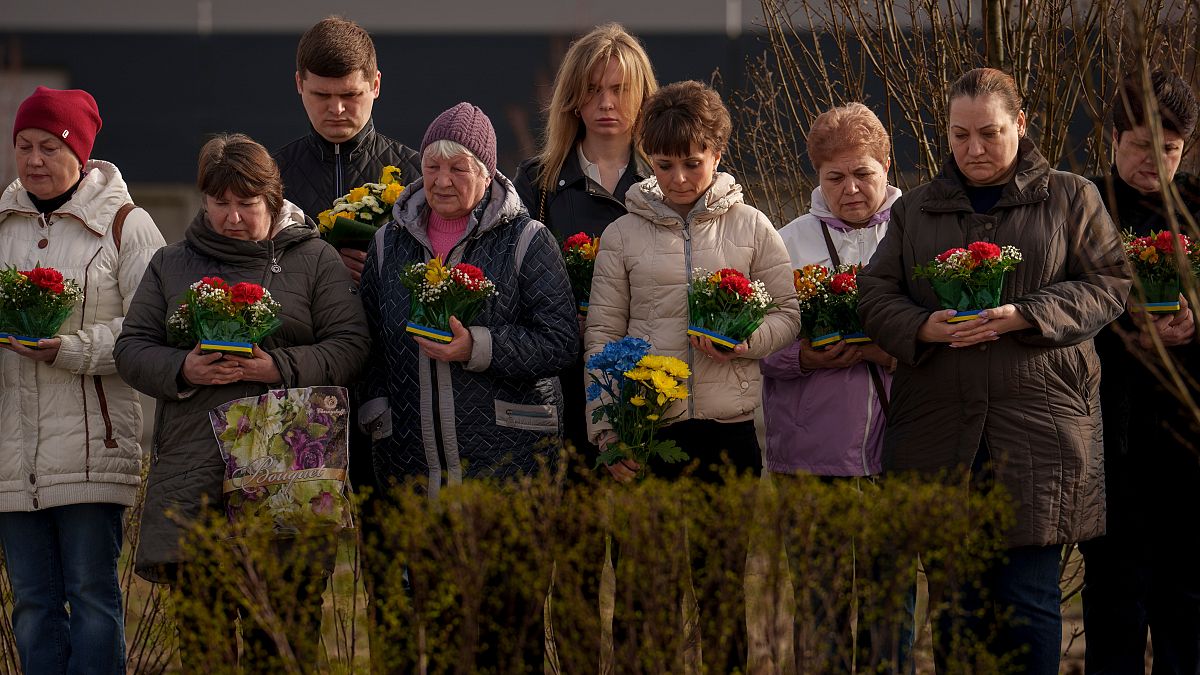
x=69 y=429
x=640 y=289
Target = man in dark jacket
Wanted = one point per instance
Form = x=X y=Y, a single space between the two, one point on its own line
x=338 y=82
x=1143 y=574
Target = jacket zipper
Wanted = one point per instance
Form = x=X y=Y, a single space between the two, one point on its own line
x=687 y=271
x=87 y=432
x=337 y=173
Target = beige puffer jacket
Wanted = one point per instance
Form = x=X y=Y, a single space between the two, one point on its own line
x=69 y=432
x=641 y=282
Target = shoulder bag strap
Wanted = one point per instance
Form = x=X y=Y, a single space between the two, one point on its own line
x=118 y=224
x=876 y=377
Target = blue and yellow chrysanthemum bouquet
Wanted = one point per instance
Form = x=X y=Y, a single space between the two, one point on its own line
x=636 y=388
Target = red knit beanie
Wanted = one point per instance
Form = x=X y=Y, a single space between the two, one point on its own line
x=468 y=126
x=70 y=114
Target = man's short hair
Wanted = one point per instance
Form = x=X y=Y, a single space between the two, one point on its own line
x=336 y=47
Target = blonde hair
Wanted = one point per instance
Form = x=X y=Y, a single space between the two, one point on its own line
x=849 y=127
x=592 y=51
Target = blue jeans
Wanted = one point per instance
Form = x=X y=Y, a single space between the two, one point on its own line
x=1013 y=608
x=59 y=557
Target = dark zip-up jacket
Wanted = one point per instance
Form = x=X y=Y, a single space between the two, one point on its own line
x=577 y=203
x=315 y=172
x=323 y=341
x=496 y=415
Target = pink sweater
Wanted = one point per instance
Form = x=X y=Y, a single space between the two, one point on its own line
x=444 y=234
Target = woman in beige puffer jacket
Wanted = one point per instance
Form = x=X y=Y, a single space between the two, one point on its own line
x=640 y=284
x=70 y=459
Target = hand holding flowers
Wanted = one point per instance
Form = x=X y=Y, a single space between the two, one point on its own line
x=725 y=308
x=969 y=280
x=579 y=254
x=352 y=220
x=441 y=294
x=223 y=318
x=1159 y=261
x=635 y=389
x=33 y=306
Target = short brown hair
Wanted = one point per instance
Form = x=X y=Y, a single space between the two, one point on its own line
x=683 y=115
x=985 y=81
x=850 y=127
x=1175 y=100
x=336 y=47
x=238 y=163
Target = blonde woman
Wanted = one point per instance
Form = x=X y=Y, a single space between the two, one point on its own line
x=588 y=159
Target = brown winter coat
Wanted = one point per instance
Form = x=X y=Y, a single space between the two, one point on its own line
x=1033 y=395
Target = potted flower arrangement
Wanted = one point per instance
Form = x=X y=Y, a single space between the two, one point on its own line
x=969 y=280
x=725 y=306
x=286 y=453
x=829 y=304
x=579 y=253
x=440 y=292
x=636 y=389
x=353 y=219
x=1155 y=260
x=35 y=303
x=224 y=318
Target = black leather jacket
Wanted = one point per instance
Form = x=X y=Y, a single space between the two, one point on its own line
x=315 y=172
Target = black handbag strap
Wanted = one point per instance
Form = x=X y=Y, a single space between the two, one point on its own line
x=876 y=376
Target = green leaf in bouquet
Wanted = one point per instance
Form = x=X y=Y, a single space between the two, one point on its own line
x=668 y=452
x=350 y=233
x=610 y=456
x=317 y=430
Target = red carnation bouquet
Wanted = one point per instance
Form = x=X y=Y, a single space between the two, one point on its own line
x=223 y=318
x=1157 y=260
x=969 y=280
x=35 y=303
x=829 y=304
x=440 y=292
x=725 y=306
x=579 y=253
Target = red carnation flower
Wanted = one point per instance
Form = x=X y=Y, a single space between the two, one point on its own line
x=246 y=293
x=738 y=285
x=471 y=271
x=46 y=278
x=949 y=252
x=843 y=283
x=730 y=272
x=983 y=250
x=576 y=240
x=1166 y=242
x=215 y=282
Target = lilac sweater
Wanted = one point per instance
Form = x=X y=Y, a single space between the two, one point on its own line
x=825 y=422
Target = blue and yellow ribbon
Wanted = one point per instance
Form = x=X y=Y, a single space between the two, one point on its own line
x=429 y=333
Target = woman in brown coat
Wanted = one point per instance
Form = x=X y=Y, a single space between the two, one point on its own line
x=1011 y=397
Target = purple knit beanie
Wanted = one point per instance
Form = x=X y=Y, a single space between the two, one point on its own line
x=468 y=126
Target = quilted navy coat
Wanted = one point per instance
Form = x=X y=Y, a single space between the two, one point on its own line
x=494 y=416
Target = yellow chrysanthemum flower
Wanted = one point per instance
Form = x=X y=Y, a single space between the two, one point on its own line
x=662 y=382
x=679 y=393
x=639 y=374
x=435 y=273
x=357 y=194
x=638 y=400
x=389 y=175
x=391 y=193
x=652 y=417
x=325 y=220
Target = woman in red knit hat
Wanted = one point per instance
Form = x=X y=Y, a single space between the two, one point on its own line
x=69 y=452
